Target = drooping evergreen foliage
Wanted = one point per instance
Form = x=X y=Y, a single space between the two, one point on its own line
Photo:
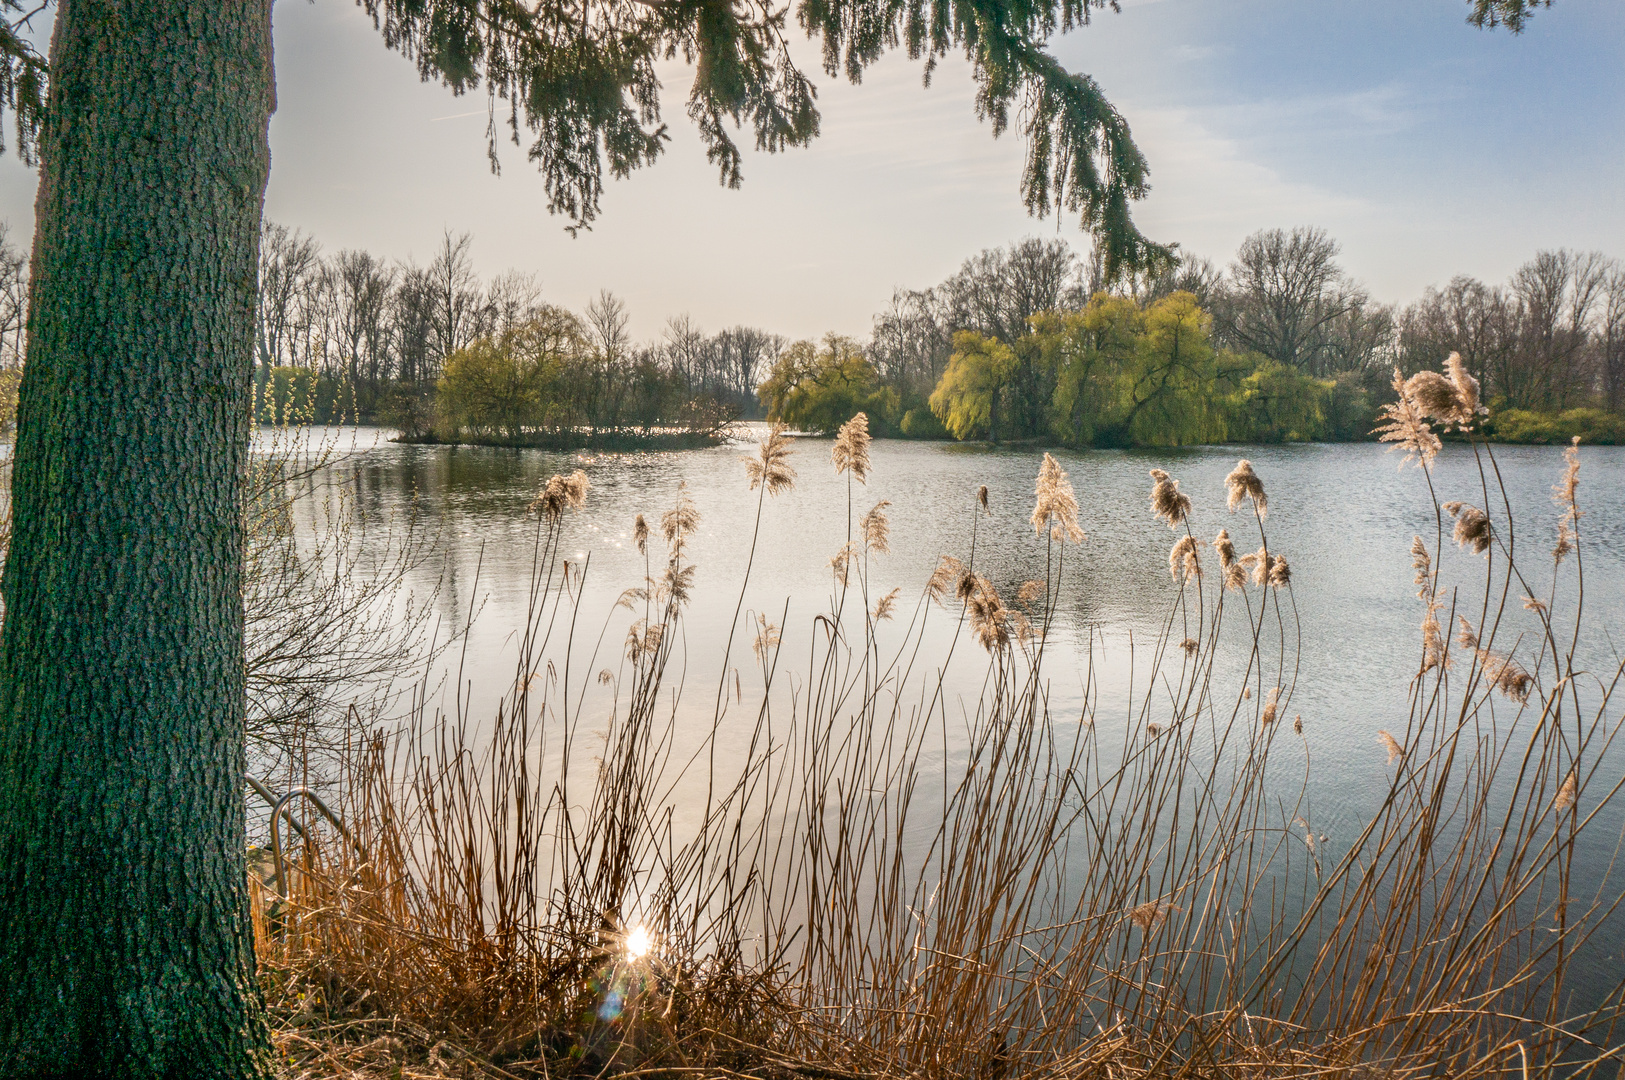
x=580 y=81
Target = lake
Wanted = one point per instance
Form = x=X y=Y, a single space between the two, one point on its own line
x=1344 y=515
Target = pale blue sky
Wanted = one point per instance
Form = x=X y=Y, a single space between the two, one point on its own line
x=1426 y=147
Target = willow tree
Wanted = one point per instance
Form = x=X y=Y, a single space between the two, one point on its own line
x=123 y=947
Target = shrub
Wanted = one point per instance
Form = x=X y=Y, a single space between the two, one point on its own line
x=1594 y=426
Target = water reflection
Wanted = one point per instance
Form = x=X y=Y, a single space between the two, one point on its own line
x=1344 y=515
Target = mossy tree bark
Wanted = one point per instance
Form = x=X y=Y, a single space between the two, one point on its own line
x=124 y=944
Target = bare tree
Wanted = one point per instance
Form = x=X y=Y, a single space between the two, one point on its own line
x=912 y=339
x=1188 y=273
x=1611 y=340
x=997 y=291
x=513 y=299
x=289 y=261
x=412 y=337
x=684 y=346
x=13 y=300
x=1556 y=293
x=360 y=286
x=744 y=353
x=1283 y=298
x=455 y=292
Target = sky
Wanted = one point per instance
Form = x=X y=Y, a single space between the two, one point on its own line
x=1425 y=147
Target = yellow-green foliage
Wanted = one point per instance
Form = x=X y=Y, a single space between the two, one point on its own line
x=1274 y=403
x=296 y=395
x=817 y=388
x=1119 y=374
x=1591 y=425
x=10 y=379
x=501 y=385
x=966 y=400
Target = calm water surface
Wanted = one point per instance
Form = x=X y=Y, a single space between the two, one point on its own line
x=1344 y=515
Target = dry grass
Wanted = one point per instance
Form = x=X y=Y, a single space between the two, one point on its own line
x=882 y=885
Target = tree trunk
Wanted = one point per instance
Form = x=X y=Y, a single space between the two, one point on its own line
x=124 y=945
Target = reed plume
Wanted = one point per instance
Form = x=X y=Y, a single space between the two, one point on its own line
x=1182 y=559
x=1422 y=563
x=1261 y=563
x=771 y=465
x=1297 y=724
x=1395 y=751
x=1464 y=632
x=767 y=637
x=883 y=609
x=1507 y=676
x=944 y=577
x=989 y=618
x=1502 y=672
x=875 y=528
x=851 y=449
x=1150 y=915
x=1243 y=483
x=640 y=534
x=981 y=497
x=1056 y=506
x=1405 y=425
x=1467 y=407
x=1434 y=650
x=678 y=583
x=1564 y=495
x=1280 y=575
x=1272 y=702
x=841 y=561
x=680 y=521
x=1567 y=793
x=561 y=492
x=1472 y=526
x=1190 y=645
x=1168 y=503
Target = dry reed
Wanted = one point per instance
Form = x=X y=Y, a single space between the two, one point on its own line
x=883 y=886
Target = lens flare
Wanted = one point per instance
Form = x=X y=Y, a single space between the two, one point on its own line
x=638 y=942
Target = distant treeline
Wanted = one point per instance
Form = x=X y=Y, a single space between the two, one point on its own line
x=441 y=354
x=1028 y=342
x=1023 y=342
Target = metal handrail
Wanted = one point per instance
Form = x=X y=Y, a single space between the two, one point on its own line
x=280 y=808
